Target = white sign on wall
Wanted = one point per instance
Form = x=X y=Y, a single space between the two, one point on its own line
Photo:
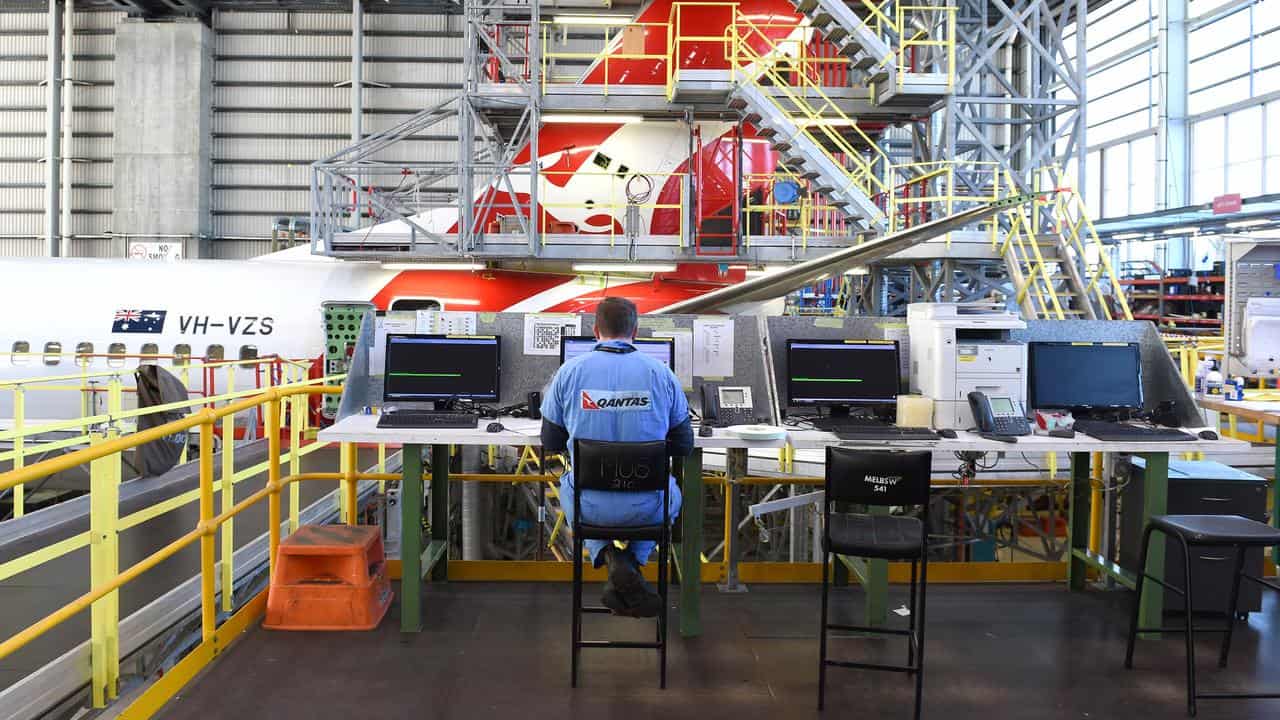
x=155 y=251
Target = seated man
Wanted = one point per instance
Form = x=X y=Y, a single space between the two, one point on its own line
x=572 y=409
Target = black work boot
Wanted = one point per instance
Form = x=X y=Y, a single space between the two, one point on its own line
x=627 y=593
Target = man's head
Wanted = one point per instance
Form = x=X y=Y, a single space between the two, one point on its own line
x=616 y=319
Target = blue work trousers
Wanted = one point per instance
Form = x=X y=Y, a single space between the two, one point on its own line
x=619 y=509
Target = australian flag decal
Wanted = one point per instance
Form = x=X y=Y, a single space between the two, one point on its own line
x=138 y=321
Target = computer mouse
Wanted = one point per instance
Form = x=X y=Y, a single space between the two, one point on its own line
x=704 y=431
x=947 y=433
x=494 y=427
x=1208 y=435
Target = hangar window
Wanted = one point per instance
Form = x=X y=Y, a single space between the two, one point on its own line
x=20 y=350
x=181 y=354
x=415 y=304
x=213 y=353
x=115 y=354
x=149 y=349
x=248 y=352
x=83 y=352
x=52 y=353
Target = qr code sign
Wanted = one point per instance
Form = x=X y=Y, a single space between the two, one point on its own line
x=546 y=336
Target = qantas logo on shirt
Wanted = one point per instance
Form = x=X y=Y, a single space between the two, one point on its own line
x=615 y=400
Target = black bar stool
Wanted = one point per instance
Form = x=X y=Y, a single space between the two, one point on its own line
x=620 y=467
x=878 y=478
x=1191 y=531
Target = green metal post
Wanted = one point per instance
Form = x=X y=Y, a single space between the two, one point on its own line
x=1078 y=524
x=440 y=508
x=411 y=540
x=1155 y=494
x=877 y=585
x=1275 y=496
x=691 y=547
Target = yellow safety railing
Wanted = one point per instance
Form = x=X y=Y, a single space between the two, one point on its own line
x=1059 y=213
x=615 y=197
x=617 y=38
x=104 y=458
x=111 y=383
x=923 y=191
x=815 y=113
x=934 y=27
x=808 y=217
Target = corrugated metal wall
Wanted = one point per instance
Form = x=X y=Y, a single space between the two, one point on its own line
x=23 y=58
x=276 y=107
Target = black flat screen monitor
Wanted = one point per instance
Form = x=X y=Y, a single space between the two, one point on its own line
x=842 y=373
x=1084 y=376
x=661 y=349
x=441 y=367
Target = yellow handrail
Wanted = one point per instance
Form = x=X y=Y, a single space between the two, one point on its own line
x=106 y=625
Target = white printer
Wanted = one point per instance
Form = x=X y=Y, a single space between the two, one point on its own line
x=957 y=348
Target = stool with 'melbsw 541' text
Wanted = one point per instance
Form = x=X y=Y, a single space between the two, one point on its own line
x=878 y=479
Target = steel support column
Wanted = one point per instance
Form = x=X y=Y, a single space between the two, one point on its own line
x=68 y=122
x=53 y=130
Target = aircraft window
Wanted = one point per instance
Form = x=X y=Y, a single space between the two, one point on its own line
x=20 y=350
x=83 y=351
x=181 y=354
x=52 y=353
x=149 y=349
x=115 y=354
x=213 y=353
x=602 y=161
x=248 y=352
x=415 y=304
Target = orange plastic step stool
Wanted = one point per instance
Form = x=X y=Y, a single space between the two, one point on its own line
x=329 y=577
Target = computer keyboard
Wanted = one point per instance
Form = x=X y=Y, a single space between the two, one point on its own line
x=865 y=428
x=884 y=432
x=1107 y=430
x=429 y=419
x=838 y=424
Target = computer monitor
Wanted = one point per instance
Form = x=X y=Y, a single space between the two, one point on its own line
x=1084 y=376
x=842 y=373
x=661 y=349
x=441 y=368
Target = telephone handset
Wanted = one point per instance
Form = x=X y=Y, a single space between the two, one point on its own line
x=997 y=415
x=725 y=405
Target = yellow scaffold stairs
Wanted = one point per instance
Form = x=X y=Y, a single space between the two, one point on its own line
x=1056 y=262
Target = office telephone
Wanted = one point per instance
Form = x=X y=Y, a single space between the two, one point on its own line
x=726 y=405
x=998 y=415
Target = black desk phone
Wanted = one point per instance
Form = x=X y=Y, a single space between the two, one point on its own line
x=998 y=415
x=725 y=405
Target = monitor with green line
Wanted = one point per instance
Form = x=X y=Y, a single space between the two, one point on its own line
x=441 y=367
x=842 y=373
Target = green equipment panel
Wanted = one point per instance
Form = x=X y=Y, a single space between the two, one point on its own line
x=341 y=331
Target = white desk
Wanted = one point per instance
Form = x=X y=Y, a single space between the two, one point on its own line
x=1155 y=494
x=521 y=431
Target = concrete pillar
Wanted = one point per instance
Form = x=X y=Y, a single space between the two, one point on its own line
x=163 y=124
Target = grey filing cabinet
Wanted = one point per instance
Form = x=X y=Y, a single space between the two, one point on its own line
x=1198 y=487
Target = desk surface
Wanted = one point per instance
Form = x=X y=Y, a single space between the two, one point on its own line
x=523 y=431
x=1268 y=412
x=519 y=431
x=972 y=442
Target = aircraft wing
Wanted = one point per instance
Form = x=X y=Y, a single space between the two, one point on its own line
x=782 y=282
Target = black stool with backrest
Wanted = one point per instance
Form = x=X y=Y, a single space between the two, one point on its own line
x=1190 y=531
x=878 y=478
x=620 y=467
